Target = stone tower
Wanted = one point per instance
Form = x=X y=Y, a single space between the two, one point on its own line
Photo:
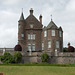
x=29 y=33
x=52 y=38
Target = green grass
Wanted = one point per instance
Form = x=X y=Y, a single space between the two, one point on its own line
x=36 y=70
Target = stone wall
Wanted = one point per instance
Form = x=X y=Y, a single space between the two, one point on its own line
x=59 y=58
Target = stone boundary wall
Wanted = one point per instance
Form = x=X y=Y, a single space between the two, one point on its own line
x=61 y=58
x=54 y=58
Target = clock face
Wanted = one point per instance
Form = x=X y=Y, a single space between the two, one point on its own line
x=31 y=25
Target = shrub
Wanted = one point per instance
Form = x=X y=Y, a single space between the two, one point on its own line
x=65 y=49
x=17 y=57
x=7 y=58
x=18 y=48
x=44 y=57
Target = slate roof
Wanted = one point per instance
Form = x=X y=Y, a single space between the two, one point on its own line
x=22 y=16
x=32 y=18
x=51 y=24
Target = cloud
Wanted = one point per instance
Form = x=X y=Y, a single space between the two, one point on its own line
x=10 y=2
x=71 y=6
x=63 y=12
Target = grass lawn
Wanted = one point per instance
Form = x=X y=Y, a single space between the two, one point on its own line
x=37 y=70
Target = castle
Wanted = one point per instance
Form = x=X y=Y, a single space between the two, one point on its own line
x=32 y=36
x=34 y=39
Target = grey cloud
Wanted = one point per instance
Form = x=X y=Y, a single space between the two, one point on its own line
x=10 y=12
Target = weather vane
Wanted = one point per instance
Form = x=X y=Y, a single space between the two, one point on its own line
x=51 y=17
x=22 y=9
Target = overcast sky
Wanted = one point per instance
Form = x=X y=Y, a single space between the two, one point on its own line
x=63 y=14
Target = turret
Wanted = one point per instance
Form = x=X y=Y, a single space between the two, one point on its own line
x=21 y=27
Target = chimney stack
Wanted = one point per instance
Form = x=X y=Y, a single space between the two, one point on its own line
x=40 y=18
x=31 y=11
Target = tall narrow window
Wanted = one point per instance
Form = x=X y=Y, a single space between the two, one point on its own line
x=57 y=44
x=29 y=36
x=60 y=34
x=45 y=33
x=53 y=32
x=22 y=35
x=29 y=47
x=49 y=44
x=33 y=47
x=42 y=46
x=33 y=36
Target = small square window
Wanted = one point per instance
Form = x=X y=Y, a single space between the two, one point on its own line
x=22 y=35
x=31 y=25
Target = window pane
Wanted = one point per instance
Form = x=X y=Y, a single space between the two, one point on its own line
x=57 y=44
x=33 y=36
x=22 y=35
x=49 y=44
x=33 y=47
x=42 y=46
x=29 y=36
x=53 y=32
x=45 y=33
x=29 y=47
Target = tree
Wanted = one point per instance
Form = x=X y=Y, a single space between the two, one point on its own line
x=17 y=57
x=44 y=57
x=7 y=58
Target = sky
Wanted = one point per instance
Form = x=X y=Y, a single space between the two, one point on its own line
x=63 y=14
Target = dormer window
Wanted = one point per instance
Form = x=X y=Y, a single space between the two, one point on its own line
x=45 y=33
x=31 y=25
x=53 y=32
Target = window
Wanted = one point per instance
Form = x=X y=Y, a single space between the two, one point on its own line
x=22 y=35
x=60 y=34
x=57 y=44
x=42 y=46
x=53 y=32
x=33 y=47
x=31 y=25
x=31 y=36
x=49 y=44
x=45 y=33
x=29 y=47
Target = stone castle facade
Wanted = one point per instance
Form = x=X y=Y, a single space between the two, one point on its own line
x=32 y=36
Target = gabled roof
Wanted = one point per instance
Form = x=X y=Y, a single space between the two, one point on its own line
x=52 y=24
x=22 y=16
x=32 y=18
